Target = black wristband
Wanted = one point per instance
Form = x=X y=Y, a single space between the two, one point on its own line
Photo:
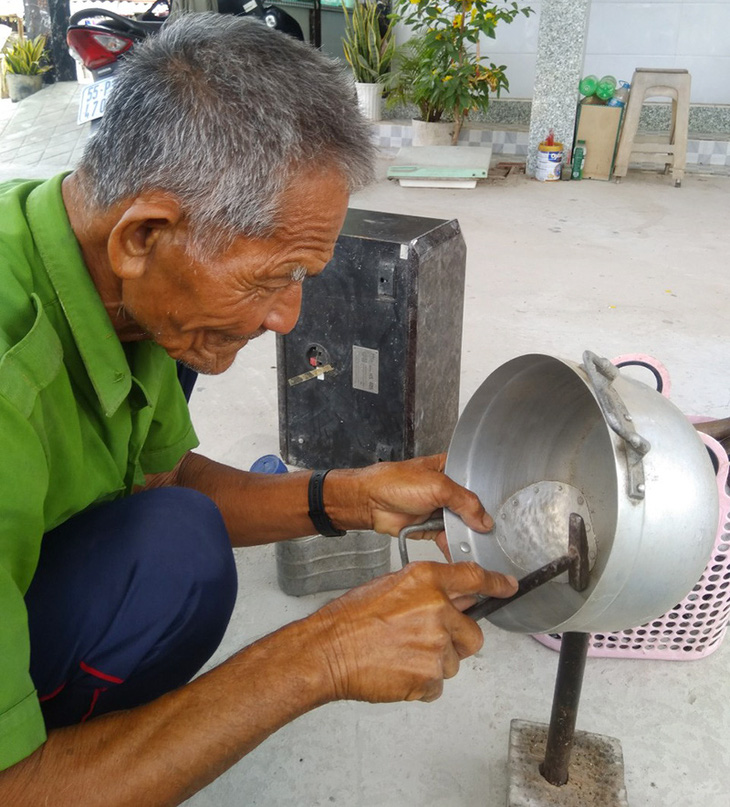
x=317 y=513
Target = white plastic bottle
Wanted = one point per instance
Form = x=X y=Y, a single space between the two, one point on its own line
x=621 y=96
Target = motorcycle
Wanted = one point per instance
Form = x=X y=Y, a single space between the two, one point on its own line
x=101 y=39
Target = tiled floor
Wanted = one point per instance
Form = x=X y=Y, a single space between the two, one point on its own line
x=41 y=132
x=551 y=268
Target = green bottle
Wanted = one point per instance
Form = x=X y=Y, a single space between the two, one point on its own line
x=606 y=87
x=579 y=157
x=588 y=85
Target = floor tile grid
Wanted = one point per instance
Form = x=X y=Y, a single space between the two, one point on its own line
x=43 y=128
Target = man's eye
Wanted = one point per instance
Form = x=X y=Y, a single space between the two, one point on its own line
x=298 y=274
x=228 y=338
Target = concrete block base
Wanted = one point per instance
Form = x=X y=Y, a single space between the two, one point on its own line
x=596 y=773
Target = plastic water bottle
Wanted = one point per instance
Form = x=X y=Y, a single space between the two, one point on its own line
x=621 y=96
x=269 y=464
x=588 y=85
x=579 y=158
x=606 y=88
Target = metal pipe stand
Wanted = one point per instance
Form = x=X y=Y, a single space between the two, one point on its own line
x=556 y=766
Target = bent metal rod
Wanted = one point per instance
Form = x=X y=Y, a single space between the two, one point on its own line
x=575 y=562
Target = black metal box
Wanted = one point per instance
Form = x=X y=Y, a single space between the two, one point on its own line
x=371 y=370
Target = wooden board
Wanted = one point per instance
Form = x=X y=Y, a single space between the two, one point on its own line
x=599 y=126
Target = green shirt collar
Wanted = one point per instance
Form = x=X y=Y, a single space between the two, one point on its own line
x=103 y=358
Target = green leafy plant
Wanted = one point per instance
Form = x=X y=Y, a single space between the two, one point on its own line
x=409 y=83
x=442 y=70
x=368 y=43
x=27 y=57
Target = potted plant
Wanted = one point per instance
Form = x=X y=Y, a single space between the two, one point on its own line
x=24 y=66
x=410 y=85
x=442 y=69
x=369 y=45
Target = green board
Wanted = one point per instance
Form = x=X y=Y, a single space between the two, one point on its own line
x=435 y=172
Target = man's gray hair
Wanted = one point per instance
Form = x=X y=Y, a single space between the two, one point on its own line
x=221 y=111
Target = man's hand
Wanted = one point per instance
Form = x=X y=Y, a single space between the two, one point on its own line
x=398 y=637
x=392 y=495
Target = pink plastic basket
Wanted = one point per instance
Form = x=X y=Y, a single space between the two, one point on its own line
x=695 y=627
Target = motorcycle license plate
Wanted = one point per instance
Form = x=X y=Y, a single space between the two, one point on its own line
x=93 y=100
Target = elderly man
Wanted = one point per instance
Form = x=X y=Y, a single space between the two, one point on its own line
x=216 y=185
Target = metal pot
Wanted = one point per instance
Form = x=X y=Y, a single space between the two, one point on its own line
x=543 y=437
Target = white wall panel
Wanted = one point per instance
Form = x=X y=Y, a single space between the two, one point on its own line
x=640 y=28
x=520 y=74
x=663 y=33
x=710 y=78
x=704 y=29
x=516 y=47
x=519 y=36
x=625 y=34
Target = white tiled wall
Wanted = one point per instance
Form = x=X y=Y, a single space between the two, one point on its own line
x=625 y=34
x=516 y=47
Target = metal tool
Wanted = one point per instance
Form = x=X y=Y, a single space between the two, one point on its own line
x=575 y=562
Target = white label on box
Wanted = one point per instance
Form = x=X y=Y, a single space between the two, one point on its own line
x=365 y=369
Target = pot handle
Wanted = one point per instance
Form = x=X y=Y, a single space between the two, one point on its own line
x=601 y=373
x=424 y=526
x=658 y=370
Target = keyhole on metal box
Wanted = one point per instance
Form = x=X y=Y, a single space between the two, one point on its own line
x=317 y=356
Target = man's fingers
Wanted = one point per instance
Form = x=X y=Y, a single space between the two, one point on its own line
x=443 y=545
x=499 y=585
x=466 y=636
x=467 y=577
x=432 y=692
x=459 y=500
x=436 y=462
x=426 y=535
x=467 y=506
x=451 y=660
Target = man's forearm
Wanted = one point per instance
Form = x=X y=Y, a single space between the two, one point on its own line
x=262 y=508
x=396 y=638
x=162 y=753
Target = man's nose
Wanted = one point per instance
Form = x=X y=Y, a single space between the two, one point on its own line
x=284 y=312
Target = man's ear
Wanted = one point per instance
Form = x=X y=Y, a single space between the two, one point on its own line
x=137 y=232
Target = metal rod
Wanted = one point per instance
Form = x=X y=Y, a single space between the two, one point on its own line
x=579 y=572
x=528 y=583
x=573 y=653
x=433 y=524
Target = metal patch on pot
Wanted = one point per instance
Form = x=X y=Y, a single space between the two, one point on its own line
x=532 y=525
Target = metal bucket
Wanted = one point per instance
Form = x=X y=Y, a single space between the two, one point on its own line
x=543 y=437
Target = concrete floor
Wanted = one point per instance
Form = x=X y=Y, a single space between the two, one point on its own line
x=639 y=267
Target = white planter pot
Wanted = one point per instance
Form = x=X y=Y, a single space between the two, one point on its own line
x=20 y=87
x=370 y=99
x=431 y=134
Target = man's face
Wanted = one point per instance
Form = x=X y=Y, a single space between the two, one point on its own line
x=203 y=312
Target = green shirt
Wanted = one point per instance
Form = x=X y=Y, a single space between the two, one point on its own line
x=82 y=418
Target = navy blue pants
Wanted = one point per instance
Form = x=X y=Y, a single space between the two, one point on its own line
x=130 y=599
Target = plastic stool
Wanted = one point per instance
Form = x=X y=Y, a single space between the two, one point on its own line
x=650 y=83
